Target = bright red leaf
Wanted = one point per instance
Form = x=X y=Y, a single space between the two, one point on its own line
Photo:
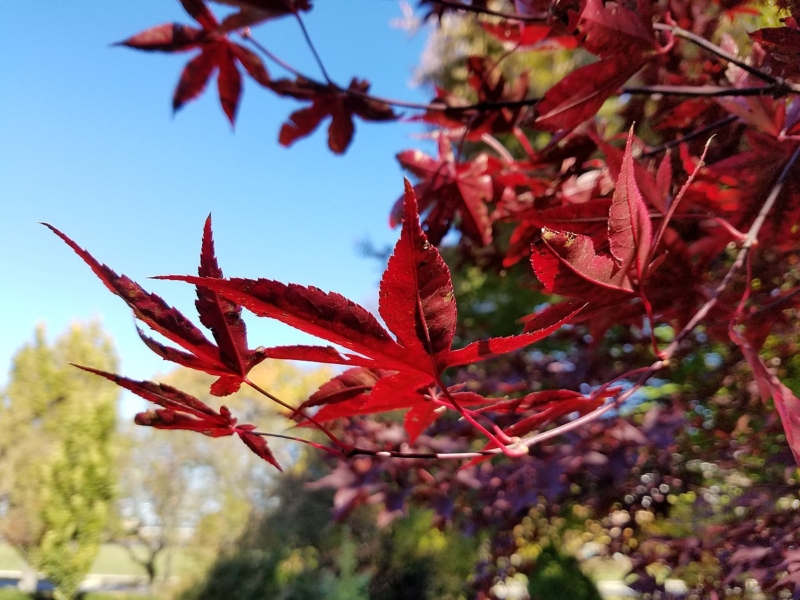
x=182 y=411
x=417 y=304
x=629 y=229
x=231 y=360
x=448 y=189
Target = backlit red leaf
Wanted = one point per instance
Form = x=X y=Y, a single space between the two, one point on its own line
x=329 y=101
x=567 y=264
x=170 y=37
x=152 y=310
x=611 y=30
x=629 y=229
x=258 y=445
x=194 y=78
x=579 y=95
x=229 y=82
x=769 y=386
x=417 y=301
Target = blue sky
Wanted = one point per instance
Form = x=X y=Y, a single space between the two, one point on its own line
x=88 y=143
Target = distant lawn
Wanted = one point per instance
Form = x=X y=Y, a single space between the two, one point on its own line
x=112 y=560
x=9 y=560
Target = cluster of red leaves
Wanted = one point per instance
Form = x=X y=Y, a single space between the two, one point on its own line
x=396 y=369
x=604 y=232
x=218 y=52
x=610 y=236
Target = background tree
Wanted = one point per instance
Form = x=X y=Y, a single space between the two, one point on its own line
x=187 y=491
x=57 y=477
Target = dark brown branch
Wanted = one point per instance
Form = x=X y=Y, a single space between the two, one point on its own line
x=689 y=136
x=542 y=16
x=714 y=49
x=711 y=91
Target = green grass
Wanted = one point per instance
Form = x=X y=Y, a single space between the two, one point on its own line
x=9 y=559
x=111 y=560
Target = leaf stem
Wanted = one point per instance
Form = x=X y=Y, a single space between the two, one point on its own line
x=689 y=136
x=247 y=35
x=295 y=411
x=313 y=48
x=534 y=18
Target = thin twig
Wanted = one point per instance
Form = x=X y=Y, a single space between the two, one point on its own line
x=542 y=16
x=313 y=48
x=714 y=49
x=258 y=46
x=295 y=411
x=689 y=136
x=711 y=91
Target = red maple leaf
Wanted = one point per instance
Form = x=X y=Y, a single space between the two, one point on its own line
x=179 y=410
x=417 y=304
x=567 y=263
x=329 y=101
x=448 y=188
x=252 y=12
x=769 y=386
x=230 y=359
x=624 y=41
x=217 y=52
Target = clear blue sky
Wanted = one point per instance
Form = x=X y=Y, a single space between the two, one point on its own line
x=89 y=144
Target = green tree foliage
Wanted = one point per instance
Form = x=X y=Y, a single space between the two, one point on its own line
x=295 y=551
x=181 y=489
x=56 y=473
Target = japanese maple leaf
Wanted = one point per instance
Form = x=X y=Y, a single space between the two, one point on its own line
x=217 y=53
x=329 y=101
x=537 y=36
x=253 y=12
x=567 y=263
x=578 y=96
x=609 y=29
x=182 y=411
x=450 y=111
x=230 y=359
x=448 y=188
x=417 y=303
x=629 y=229
x=624 y=41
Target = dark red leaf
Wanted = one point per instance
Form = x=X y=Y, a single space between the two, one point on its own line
x=611 y=30
x=486 y=349
x=168 y=397
x=170 y=37
x=152 y=310
x=201 y=13
x=229 y=82
x=629 y=229
x=194 y=78
x=253 y=12
x=349 y=384
x=448 y=188
x=331 y=101
x=326 y=315
x=567 y=264
x=579 y=95
x=259 y=446
x=417 y=301
x=220 y=315
x=251 y=63
x=769 y=386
